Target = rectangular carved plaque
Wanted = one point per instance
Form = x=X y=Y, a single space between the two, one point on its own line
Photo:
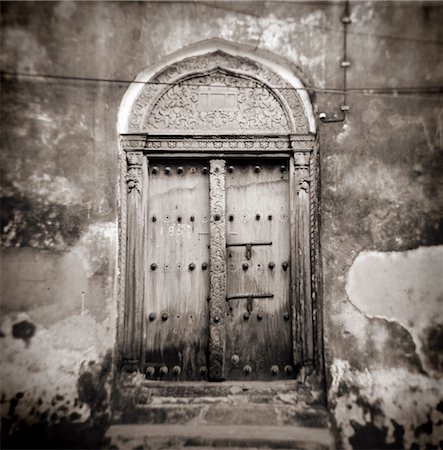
x=217 y=99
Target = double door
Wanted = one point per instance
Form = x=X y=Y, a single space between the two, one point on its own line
x=256 y=312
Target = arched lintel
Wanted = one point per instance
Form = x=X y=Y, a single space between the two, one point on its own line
x=274 y=63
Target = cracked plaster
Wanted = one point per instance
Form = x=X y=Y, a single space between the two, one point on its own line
x=404 y=287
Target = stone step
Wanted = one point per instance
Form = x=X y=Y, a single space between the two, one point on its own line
x=151 y=392
x=155 y=437
x=208 y=389
x=227 y=414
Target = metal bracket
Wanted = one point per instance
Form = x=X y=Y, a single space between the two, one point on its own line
x=248 y=246
x=249 y=298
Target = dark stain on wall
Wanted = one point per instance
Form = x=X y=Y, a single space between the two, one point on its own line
x=433 y=346
x=61 y=429
x=23 y=330
x=37 y=223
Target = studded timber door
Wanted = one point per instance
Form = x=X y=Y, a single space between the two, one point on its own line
x=258 y=316
x=176 y=338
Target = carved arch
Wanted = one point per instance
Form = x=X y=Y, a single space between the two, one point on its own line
x=243 y=75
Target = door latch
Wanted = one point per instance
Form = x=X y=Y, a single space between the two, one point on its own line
x=249 y=299
x=248 y=246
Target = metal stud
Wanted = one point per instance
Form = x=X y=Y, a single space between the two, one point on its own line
x=154 y=266
x=231 y=169
x=205 y=266
x=167 y=170
x=282 y=168
x=288 y=369
x=150 y=371
x=285 y=266
x=154 y=219
x=217 y=217
x=235 y=359
x=247 y=369
x=271 y=265
x=163 y=370
x=204 y=170
x=180 y=170
x=270 y=217
x=257 y=169
x=203 y=370
x=152 y=317
x=286 y=316
x=191 y=266
x=179 y=219
x=274 y=370
x=216 y=319
x=155 y=169
x=257 y=216
x=259 y=316
x=165 y=316
x=192 y=218
x=176 y=370
x=245 y=266
x=245 y=316
x=231 y=217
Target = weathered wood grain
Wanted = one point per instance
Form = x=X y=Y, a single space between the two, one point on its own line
x=137 y=180
x=257 y=201
x=177 y=290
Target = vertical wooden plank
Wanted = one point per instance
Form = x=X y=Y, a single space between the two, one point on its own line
x=133 y=325
x=177 y=275
x=296 y=303
x=303 y=257
x=258 y=335
x=217 y=275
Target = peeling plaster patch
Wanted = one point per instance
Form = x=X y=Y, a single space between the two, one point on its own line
x=384 y=183
x=51 y=188
x=404 y=287
x=21 y=48
x=341 y=137
x=374 y=111
x=394 y=403
x=65 y=9
x=42 y=211
x=94 y=244
x=45 y=373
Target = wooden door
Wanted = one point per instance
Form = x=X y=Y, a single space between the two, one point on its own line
x=258 y=316
x=177 y=285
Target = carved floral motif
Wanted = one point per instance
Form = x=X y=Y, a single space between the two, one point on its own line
x=256 y=108
x=217 y=275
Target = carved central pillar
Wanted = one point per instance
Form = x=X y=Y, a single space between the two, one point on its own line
x=217 y=286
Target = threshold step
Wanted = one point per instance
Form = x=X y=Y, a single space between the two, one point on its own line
x=155 y=437
x=227 y=414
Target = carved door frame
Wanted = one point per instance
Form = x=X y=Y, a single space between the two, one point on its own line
x=140 y=142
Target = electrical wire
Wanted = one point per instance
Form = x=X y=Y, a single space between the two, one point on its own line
x=366 y=90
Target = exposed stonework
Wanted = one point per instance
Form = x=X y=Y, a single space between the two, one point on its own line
x=377 y=408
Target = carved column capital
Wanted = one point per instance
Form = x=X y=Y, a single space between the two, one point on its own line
x=301 y=165
x=301 y=159
x=302 y=142
x=133 y=177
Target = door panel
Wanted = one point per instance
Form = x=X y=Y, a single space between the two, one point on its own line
x=258 y=330
x=178 y=270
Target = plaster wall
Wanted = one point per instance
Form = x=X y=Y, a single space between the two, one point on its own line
x=380 y=202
